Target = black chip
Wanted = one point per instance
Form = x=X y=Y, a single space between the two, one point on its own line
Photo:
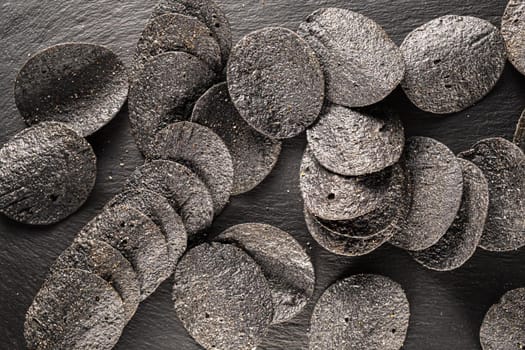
x=185 y=192
x=138 y=239
x=159 y=210
x=361 y=64
x=513 y=31
x=253 y=154
x=352 y=143
x=275 y=82
x=74 y=309
x=47 y=172
x=222 y=297
x=334 y=197
x=503 y=164
x=284 y=262
x=462 y=238
x=452 y=62
x=163 y=92
x=82 y=85
x=204 y=152
x=360 y=312
x=108 y=263
x=519 y=135
x=436 y=184
x=206 y=11
x=175 y=32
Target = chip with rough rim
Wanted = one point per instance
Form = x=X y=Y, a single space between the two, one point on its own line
x=513 y=31
x=519 y=135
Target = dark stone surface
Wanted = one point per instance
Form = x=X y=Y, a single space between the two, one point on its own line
x=447 y=308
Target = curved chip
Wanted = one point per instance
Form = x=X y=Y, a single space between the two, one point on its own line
x=253 y=154
x=74 y=309
x=452 y=62
x=360 y=312
x=106 y=262
x=165 y=91
x=513 y=31
x=138 y=239
x=206 y=11
x=436 y=183
x=361 y=64
x=503 y=324
x=159 y=210
x=519 y=135
x=275 y=82
x=185 y=192
x=82 y=85
x=462 y=238
x=204 y=152
x=175 y=32
x=334 y=197
x=47 y=172
x=222 y=297
x=354 y=143
x=284 y=262
x=503 y=164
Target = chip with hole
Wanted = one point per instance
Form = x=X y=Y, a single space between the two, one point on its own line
x=201 y=150
x=436 y=184
x=165 y=91
x=185 y=192
x=284 y=262
x=503 y=164
x=513 y=32
x=222 y=297
x=519 y=135
x=82 y=85
x=138 y=239
x=361 y=64
x=74 y=309
x=452 y=62
x=334 y=197
x=462 y=238
x=253 y=154
x=356 y=142
x=360 y=312
x=47 y=172
x=159 y=210
x=106 y=262
x=275 y=82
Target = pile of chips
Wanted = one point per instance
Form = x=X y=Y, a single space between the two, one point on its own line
x=209 y=119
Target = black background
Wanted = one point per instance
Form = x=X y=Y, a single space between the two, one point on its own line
x=447 y=308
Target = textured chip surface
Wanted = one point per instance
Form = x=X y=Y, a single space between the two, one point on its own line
x=462 y=238
x=106 y=262
x=513 y=31
x=503 y=164
x=82 y=85
x=201 y=150
x=206 y=11
x=452 y=62
x=74 y=309
x=253 y=154
x=284 y=262
x=222 y=297
x=159 y=210
x=185 y=192
x=519 y=135
x=436 y=184
x=165 y=91
x=138 y=239
x=360 y=312
x=275 y=81
x=356 y=142
x=361 y=64
x=334 y=197
x=47 y=172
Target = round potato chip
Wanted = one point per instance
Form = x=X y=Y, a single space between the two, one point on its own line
x=452 y=62
x=513 y=31
x=361 y=64
x=275 y=82
x=47 y=172
x=82 y=85
x=519 y=135
x=284 y=262
x=222 y=297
